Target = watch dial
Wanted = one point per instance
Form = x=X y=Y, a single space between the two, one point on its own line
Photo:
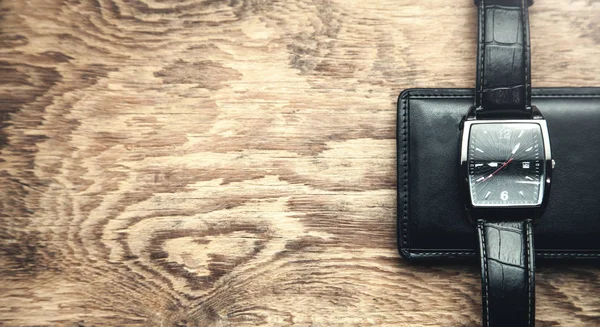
x=506 y=164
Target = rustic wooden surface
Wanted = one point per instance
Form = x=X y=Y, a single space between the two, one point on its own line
x=232 y=162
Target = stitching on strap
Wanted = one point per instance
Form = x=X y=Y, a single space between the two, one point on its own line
x=529 y=268
x=481 y=49
x=531 y=273
x=482 y=243
x=526 y=49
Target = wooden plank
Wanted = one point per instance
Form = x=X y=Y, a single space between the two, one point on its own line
x=217 y=163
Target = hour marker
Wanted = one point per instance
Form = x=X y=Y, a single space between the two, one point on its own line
x=521 y=134
x=527 y=182
x=529 y=149
x=478 y=165
x=480 y=179
x=516 y=148
x=521 y=192
x=529 y=178
x=478 y=149
x=493 y=164
x=488 y=195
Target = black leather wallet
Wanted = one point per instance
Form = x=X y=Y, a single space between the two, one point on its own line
x=432 y=223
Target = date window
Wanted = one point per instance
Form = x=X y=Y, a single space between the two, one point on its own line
x=526 y=164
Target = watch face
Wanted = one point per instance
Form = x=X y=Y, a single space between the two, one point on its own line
x=506 y=164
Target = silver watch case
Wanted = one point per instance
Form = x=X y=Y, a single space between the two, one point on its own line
x=515 y=212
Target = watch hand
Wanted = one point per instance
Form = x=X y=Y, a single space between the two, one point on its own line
x=516 y=148
x=497 y=170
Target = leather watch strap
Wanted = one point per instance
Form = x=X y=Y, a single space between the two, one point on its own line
x=503 y=64
x=507 y=264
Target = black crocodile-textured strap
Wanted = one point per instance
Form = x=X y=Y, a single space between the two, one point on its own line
x=507 y=273
x=503 y=65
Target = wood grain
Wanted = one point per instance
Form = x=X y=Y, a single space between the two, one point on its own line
x=232 y=162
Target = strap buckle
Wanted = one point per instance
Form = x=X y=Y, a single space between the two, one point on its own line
x=529 y=1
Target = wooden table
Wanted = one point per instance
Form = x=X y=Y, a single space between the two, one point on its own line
x=220 y=163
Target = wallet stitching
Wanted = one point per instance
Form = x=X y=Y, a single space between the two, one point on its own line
x=433 y=254
x=472 y=253
x=550 y=254
x=404 y=233
x=405 y=175
x=567 y=95
x=535 y=96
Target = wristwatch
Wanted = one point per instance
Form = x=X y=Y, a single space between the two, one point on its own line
x=506 y=163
